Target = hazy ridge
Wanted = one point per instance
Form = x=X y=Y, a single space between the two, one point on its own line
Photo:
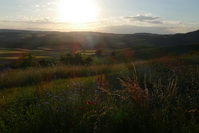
x=90 y=40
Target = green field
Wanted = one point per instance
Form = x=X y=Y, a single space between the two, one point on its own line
x=14 y=54
x=137 y=53
x=87 y=52
x=10 y=55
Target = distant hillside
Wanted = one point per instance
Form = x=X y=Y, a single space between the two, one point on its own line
x=89 y=40
x=157 y=52
x=163 y=40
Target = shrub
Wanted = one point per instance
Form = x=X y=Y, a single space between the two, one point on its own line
x=25 y=60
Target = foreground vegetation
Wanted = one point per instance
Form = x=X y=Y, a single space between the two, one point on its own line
x=160 y=95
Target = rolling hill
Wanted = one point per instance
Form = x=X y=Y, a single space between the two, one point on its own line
x=89 y=40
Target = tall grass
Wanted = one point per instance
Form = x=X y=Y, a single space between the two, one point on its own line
x=32 y=76
x=156 y=96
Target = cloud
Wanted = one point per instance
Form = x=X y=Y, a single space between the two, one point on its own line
x=39 y=24
x=128 y=24
x=36 y=6
x=141 y=17
x=170 y=22
x=144 y=18
x=33 y=21
x=52 y=3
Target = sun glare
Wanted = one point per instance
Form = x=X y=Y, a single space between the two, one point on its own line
x=77 y=11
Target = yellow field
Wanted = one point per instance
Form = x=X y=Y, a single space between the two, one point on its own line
x=11 y=52
x=87 y=52
x=16 y=57
x=14 y=54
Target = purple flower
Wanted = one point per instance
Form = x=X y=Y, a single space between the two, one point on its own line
x=46 y=103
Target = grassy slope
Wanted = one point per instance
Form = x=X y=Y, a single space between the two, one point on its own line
x=157 y=52
x=155 y=96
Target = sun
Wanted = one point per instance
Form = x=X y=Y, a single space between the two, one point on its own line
x=77 y=11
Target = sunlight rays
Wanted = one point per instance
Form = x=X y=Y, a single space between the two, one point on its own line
x=77 y=11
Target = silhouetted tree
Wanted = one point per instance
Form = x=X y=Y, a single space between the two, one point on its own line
x=89 y=60
x=72 y=59
x=78 y=59
x=67 y=59
x=113 y=54
x=43 y=62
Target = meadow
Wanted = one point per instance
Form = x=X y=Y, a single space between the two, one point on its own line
x=143 y=96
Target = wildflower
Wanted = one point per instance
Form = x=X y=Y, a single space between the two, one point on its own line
x=80 y=108
x=46 y=102
x=98 y=87
x=61 y=99
x=88 y=102
x=94 y=103
x=55 y=96
x=192 y=111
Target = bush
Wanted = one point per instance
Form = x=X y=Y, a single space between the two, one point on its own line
x=75 y=59
x=25 y=60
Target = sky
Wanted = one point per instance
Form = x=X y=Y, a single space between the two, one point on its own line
x=111 y=16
